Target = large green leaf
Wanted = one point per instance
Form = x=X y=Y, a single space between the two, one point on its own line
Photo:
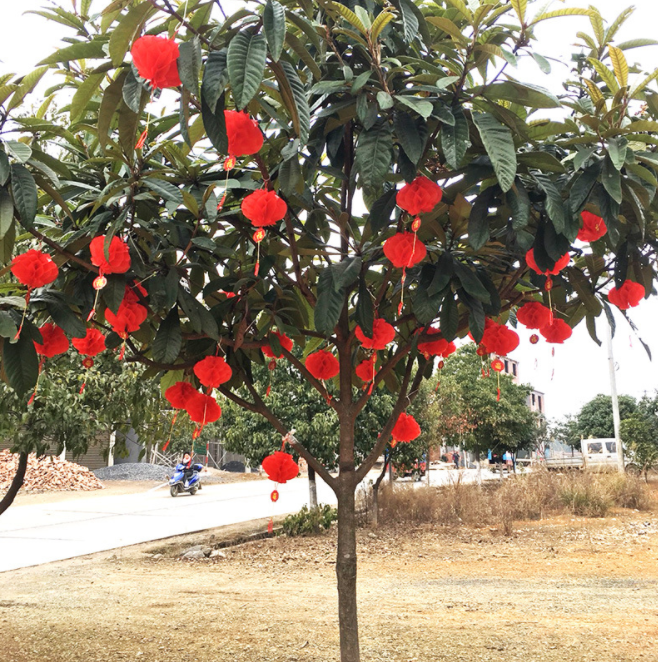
x=246 y=65
x=21 y=364
x=65 y=318
x=165 y=189
x=168 y=339
x=470 y=282
x=302 y=112
x=111 y=98
x=611 y=180
x=381 y=211
x=215 y=77
x=554 y=203
x=274 y=26
x=373 y=154
x=215 y=125
x=449 y=317
x=411 y=135
x=85 y=50
x=455 y=140
x=189 y=64
x=409 y=21
x=24 y=191
x=127 y=30
x=499 y=143
x=6 y=212
x=365 y=310
x=329 y=304
x=425 y=305
x=523 y=94
x=519 y=204
x=478 y=221
x=83 y=95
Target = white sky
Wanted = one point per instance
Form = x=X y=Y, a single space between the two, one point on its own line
x=579 y=369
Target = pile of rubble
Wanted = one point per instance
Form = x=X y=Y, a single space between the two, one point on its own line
x=47 y=474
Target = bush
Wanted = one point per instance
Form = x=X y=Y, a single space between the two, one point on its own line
x=309 y=522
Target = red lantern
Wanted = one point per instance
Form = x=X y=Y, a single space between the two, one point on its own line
x=382 y=334
x=244 y=134
x=534 y=339
x=34 y=269
x=366 y=370
x=420 y=196
x=322 y=364
x=285 y=342
x=213 y=371
x=118 y=261
x=497 y=365
x=438 y=347
x=559 y=265
x=280 y=467
x=594 y=227
x=404 y=250
x=156 y=60
x=557 y=332
x=92 y=344
x=499 y=339
x=627 y=296
x=179 y=394
x=53 y=341
x=534 y=315
x=406 y=428
x=263 y=208
x=131 y=296
x=202 y=409
x=274 y=497
x=127 y=319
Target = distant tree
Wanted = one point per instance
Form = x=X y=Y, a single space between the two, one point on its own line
x=639 y=432
x=565 y=430
x=595 y=418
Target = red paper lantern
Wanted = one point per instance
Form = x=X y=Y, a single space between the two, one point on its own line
x=127 y=319
x=382 y=334
x=438 y=347
x=119 y=257
x=92 y=344
x=280 y=467
x=420 y=196
x=156 y=60
x=534 y=315
x=366 y=369
x=34 y=269
x=322 y=364
x=213 y=371
x=499 y=339
x=406 y=428
x=244 y=134
x=594 y=227
x=263 y=208
x=559 y=265
x=404 y=250
x=179 y=394
x=497 y=365
x=557 y=332
x=202 y=409
x=285 y=342
x=130 y=295
x=627 y=296
x=54 y=341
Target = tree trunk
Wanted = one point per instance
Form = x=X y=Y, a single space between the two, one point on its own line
x=312 y=489
x=346 y=573
x=16 y=483
x=375 y=505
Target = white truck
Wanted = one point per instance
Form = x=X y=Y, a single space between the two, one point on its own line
x=595 y=455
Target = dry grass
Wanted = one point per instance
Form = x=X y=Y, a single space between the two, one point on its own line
x=528 y=497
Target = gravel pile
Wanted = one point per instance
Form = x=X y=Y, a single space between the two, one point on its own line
x=134 y=471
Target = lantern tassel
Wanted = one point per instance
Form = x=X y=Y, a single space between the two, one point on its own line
x=144 y=135
x=122 y=353
x=498 y=395
x=548 y=287
x=404 y=278
x=36 y=386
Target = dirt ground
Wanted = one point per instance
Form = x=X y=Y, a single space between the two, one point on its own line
x=560 y=590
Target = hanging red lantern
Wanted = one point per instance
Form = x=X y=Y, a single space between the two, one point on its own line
x=322 y=364
x=497 y=366
x=627 y=296
x=534 y=339
x=594 y=227
x=127 y=319
x=559 y=265
x=285 y=342
x=244 y=134
x=404 y=250
x=280 y=467
x=406 y=428
x=34 y=269
x=263 y=208
x=499 y=339
x=274 y=497
x=156 y=60
x=534 y=315
x=131 y=293
x=202 y=409
x=557 y=332
x=92 y=344
x=419 y=197
x=366 y=369
x=481 y=351
x=118 y=260
x=53 y=341
x=382 y=334
x=213 y=371
x=438 y=347
x=179 y=394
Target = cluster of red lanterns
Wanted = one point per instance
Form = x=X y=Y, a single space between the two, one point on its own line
x=628 y=295
x=498 y=339
x=535 y=315
x=439 y=347
x=383 y=334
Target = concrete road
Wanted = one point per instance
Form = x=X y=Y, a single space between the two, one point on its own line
x=35 y=534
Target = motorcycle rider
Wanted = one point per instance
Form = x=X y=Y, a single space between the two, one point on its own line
x=188 y=471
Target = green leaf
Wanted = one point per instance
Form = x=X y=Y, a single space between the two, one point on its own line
x=83 y=95
x=24 y=192
x=346 y=272
x=214 y=123
x=421 y=106
x=499 y=143
x=470 y=282
x=542 y=62
x=563 y=12
x=365 y=310
x=20 y=151
x=540 y=160
x=380 y=22
x=425 y=305
x=582 y=187
x=86 y=50
x=115 y=289
x=520 y=7
x=133 y=92
x=7 y=245
x=349 y=16
x=246 y=66
x=442 y=274
x=163 y=188
x=478 y=221
x=476 y=316
x=523 y=94
x=302 y=116
x=373 y=154
x=5 y=170
x=189 y=64
x=617 y=148
x=554 y=203
x=455 y=139
x=112 y=96
x=21 y=364
x=449 y=317
x=168 y=340
x=519 y=204
x=123 y=35
x=329 y=304
x=65 y=318
x=215 y=77
x=385 y=100
x=274 y=26
x=583 y=287
x=410 y=136
x=449 y=27
x=381 y=211
x=6 y=212
x=8 y=327
x=611 y=180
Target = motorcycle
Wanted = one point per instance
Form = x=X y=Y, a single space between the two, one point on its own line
x=178 y=483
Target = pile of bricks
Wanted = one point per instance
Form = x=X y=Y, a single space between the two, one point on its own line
x=47 y=474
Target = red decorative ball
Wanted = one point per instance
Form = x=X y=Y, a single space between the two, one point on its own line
x=280 y=467
x=285 y=342
x=594 y=227
x=366 y=369
x=127 y=319
x=420 y=196
x=441 y=365
x=534 y=338
x=557 y=332
x=156 y=60
x=559 y=265
x=213 y=371
x=533 y=315
x=179 y=394
x=244 y=134
x=88 y=362
x=627 y=296
x=499 y=339
x=382 y=334
x=404 y=250
x=274 y=496
x=99 y=282
x=406 y=428
x=34 y=269
x=322 y=364
x=481 y=350
x=54 y=341
x=92 y=344
x=259 y=235
x=438 y=347
x=202 y=409
x=497 y=365
x=118 y=261
x=264 y=208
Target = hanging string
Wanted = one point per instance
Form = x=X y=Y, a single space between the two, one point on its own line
x=27 y=301
x=36 y=386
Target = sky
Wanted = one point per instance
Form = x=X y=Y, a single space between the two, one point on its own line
x=578 y=370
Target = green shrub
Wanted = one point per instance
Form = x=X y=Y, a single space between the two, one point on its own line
x=309 y=522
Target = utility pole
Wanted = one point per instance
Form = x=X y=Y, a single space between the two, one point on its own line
x=615 y=402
